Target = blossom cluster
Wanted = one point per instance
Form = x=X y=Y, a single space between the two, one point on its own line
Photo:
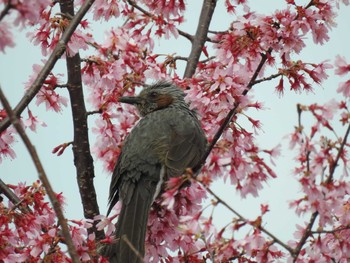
x=233 y=61
x=323 y=174
x=30 y=231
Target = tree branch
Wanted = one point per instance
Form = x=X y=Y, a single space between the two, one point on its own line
x=340 y=151
x=240 y=217
x=308 y=230
x=81 y=148
x=331 y=231
x=11 y=196
x=305 y=236
x=273 y=76
x=145 y=12
x=200 y=37
x=232 y=112
x=42 y=176
x=93 y=112
x=56 y=54
x=6 y=9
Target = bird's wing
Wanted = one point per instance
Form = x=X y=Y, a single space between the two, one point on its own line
x=114 y=186
x=187 y=146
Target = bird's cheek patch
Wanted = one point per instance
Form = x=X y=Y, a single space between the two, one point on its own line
x=164 y=101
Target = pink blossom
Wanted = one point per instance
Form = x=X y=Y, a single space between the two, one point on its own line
x=104 y=222
x=342 y=67
x=52 y=100
x=166 y=8
x=15 y=258
x=47 y=94
x=344 y=88
x=78 y=41
x=6 y=139
x=180 y=228
x=6 y=39
x=32 y=121
x=101 y=9
x=29 y=13
x=320 y=34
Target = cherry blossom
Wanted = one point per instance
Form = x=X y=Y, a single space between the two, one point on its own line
x=7 y=138
x=34 y=234
x=6 y=37
x=32 y=121
x=181 y=226
x=342 y=68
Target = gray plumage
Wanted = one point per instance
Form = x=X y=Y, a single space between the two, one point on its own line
x=167 y=140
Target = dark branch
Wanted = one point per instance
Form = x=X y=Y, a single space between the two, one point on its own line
x=200 y=37
x=207 y=60
x=340 y=152
x=6 y=10
x=8 y=193
x=334 y=231
x=273 y=76
x=217 y=32
x=308 y=230
x=56 y=54
x=240 y=217
x=42 y=176
x=93 y=112
x=81 y=148
x=61 y=86
x=11 y=196
x=305 y=236
x=232 y=112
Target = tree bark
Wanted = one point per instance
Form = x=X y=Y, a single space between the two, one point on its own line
x=201 y=36
x=81 y=148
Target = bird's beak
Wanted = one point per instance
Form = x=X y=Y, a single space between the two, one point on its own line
x=130 y=100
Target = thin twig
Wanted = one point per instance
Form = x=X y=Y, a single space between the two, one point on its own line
x=242 y=218
x=217 y=32
x=42 y=176
x=273 y=76
x=232 y=112
x=331 y=231
x=308 y=231
x=145 y=12
x=179 y=58
x=55 y=55
x=6 y=9
x=12 y=196
x=305 y=236
x=337 y=158
x=61 y=86
x=207 y=60
x=8 y=193
x=93 y=112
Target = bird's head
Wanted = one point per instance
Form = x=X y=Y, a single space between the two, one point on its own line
x=156 y=97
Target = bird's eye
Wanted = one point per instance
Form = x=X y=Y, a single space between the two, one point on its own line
x=153 y=95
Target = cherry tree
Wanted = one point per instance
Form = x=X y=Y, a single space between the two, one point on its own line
x=219 y=75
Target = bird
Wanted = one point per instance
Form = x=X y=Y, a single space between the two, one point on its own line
x=167 y=139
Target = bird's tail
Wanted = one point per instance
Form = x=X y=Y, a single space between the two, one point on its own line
x=130 y=230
